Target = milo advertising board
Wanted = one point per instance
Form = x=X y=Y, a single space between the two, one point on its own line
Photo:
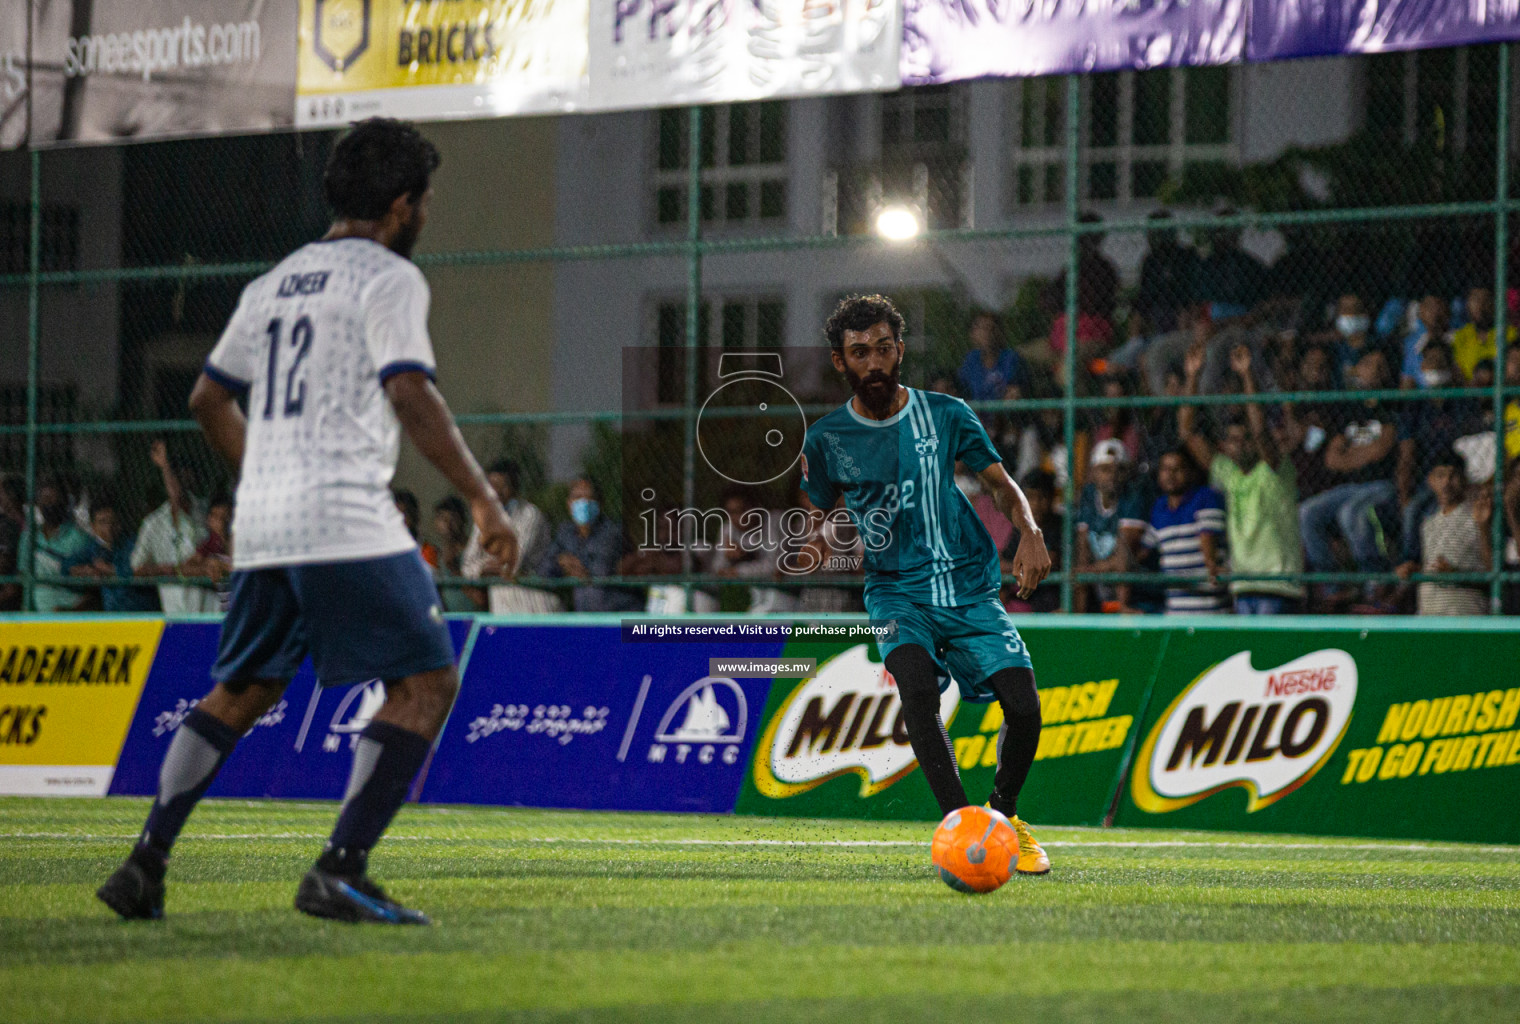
x=835 y=744
x=1354 y=732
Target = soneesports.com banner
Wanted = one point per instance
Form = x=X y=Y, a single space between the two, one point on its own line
x=649 y=53
x=1396 y=732
x=67 y=693
x=432 y=59
x=117 y=70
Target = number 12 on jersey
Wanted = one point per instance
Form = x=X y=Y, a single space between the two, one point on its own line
x=295 y=391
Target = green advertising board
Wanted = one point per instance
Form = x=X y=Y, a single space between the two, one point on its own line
x=834 y=745
x=1384 y=731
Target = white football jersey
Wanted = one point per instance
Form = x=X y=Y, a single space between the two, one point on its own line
x=311 y=344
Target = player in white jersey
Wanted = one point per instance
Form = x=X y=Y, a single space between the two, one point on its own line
x=331 y=351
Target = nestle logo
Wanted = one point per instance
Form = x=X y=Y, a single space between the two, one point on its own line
x=1304 y=680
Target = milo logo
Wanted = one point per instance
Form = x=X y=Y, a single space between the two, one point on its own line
x=1265 y=731
x=847 y=718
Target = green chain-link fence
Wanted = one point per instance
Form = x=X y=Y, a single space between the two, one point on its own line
x=1325 y=242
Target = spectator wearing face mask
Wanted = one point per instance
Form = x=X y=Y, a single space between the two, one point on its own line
x=1473 y=342
x=588 y=545
x=1352 y=332
x=58 y=542
x=1305 y=425
x=1431 y=325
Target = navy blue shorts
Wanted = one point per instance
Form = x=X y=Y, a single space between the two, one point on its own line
x=378 y=618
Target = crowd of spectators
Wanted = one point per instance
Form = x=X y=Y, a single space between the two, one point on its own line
x=1224 y=500
x=1324 y=483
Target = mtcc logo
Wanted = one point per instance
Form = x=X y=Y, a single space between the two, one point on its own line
x=705 y=724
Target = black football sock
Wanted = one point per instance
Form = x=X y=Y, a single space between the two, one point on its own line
x=1018 y=739
x=386 y=760
x=918 y=688
x=200 y=746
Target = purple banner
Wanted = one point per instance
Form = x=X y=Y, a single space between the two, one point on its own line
x=300 y=750
x=1308 y=28
x=949 y=40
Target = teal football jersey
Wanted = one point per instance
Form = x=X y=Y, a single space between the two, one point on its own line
x=922 y=537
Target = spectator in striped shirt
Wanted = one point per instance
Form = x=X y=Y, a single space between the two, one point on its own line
x=1187 y=525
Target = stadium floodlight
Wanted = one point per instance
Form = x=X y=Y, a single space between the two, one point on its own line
x=897 y=224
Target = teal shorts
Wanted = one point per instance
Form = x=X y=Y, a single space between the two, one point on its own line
x=968 y=643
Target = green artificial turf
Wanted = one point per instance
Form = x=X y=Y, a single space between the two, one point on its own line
x=571 y=916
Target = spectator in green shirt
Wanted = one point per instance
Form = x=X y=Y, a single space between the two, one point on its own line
x=58 y=541
x=1261 y=497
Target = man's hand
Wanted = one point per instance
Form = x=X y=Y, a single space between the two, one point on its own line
x=497 y=538
x=1406 y=570
x=1031 y=562
x=158 y=454
x=1240 y=361
x=1483 y=508
x=1192 y=362
x=1441 y=565
x=572 y=566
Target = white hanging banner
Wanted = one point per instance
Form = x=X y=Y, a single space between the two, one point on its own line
x=649 y=53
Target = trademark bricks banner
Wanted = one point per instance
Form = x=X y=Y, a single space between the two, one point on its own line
x=436 y=59
x=116 y=70
x=572 y=716
x=1392 y=733
x=948 y=40
x=1279 y=30
x=67 y=692
x=301 y=749
x=835 y=745
x=648 y=53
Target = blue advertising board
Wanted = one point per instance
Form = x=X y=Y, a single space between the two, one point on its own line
x=299 y=750
x=574 y=716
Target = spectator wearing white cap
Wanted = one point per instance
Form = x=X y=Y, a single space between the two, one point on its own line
x=1111 y=529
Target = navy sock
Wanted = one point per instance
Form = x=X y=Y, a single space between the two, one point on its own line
x=386 y=761
x=1019 y=737
x=199 y=748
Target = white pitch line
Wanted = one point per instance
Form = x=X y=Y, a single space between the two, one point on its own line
x=825 y=843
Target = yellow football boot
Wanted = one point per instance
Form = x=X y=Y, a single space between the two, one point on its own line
x=1032 y=858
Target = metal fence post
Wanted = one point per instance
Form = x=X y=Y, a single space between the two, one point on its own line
x=1069 y=373
x=1501 y=328
x=693 y=327
x=33 y=346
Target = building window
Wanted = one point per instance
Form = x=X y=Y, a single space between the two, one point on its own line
x=1444 y=99
x=1138 y=129
x=743 y=156
x=744 y=322
x=922 y=166
x=60 y=237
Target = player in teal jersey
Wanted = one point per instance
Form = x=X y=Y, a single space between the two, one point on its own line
x=888 y=456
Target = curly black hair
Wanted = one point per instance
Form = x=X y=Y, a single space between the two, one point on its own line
x=859 y=313
x=372 y=163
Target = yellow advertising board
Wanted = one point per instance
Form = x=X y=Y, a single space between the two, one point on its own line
x=434 y=59
x=68 y=690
